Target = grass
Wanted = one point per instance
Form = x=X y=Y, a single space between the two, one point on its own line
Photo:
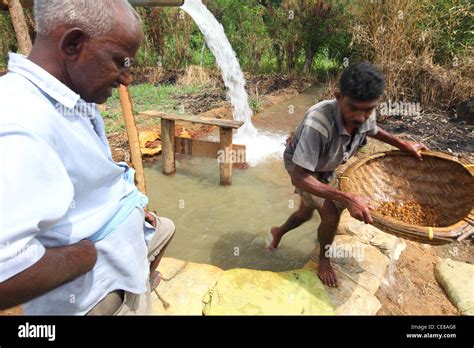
x=145 y=97
x=324 y=66
x=256 y=105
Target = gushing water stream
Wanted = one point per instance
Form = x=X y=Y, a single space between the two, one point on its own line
x=259 y=146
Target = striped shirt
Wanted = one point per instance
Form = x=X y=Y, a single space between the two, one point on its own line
x=321 y=142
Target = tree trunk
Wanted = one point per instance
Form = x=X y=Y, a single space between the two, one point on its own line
x=309 y=60
x=21 y=28
x=279 y=57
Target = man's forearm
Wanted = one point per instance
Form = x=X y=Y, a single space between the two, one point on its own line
x=388 y=138
x=57 y=266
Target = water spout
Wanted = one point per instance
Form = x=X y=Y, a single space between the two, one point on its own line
x=258 y=145
x=226 y=59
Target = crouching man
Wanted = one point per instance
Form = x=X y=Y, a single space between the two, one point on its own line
x=331 y=132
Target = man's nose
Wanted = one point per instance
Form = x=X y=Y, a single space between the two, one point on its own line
x=363 y=116
x=125 y=78
x=360 y=116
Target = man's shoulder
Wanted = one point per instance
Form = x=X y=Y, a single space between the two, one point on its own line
x=320 y=118
x=325 y=108
x=25 y=108
x=19 y=92
x=12 y=79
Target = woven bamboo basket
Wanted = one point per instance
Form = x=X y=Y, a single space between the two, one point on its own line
x=440 y=181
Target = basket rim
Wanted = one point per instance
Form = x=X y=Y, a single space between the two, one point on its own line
x=454 y=230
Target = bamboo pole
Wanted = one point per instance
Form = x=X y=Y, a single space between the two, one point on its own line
x=21 y=28
x=133 y=140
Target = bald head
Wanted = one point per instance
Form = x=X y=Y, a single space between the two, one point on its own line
x=94 y=17
x=89 y=45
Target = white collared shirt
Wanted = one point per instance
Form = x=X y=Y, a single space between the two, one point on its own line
x=59 y=185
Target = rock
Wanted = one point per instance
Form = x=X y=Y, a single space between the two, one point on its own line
x=364 y=263
x=250 y=292
x=350 y=298
x=169 y=267
x=457 y=279
x=360 y=269
x=183 y=287
x=388 y=244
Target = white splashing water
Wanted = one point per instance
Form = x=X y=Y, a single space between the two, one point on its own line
x=259 y=146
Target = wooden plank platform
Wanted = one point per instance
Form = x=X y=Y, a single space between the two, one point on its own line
x=224 y=151
x=194 y=119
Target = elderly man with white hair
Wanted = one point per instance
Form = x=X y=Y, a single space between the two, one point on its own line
x=75 y=238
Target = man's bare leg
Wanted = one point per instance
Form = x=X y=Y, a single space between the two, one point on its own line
x=295 y=220
x=155 y=276
x=330 y=217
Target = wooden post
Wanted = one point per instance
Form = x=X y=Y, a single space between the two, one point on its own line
x=21 y=28
x=222 y=150
x=226 y=155
x=133 y=140
x=167 y=144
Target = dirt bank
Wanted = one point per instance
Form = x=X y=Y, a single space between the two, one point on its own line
x=415 y=290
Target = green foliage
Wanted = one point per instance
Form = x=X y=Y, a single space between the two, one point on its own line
x=245 y=28
x=273 y=36
x=267 y=35
x=452 y=20
x=297 y=32
x=7 y=38
x=256 y=105
x=325 y=66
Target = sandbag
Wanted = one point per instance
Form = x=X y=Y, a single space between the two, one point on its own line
x=457 y=279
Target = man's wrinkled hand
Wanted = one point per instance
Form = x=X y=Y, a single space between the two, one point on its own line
x=150 y=218
x=414 y=148
x=359 y=208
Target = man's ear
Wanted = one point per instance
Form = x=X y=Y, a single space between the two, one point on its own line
x=72 y=43
x=338 y=95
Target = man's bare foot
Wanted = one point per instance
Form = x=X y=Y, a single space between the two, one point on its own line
x=326 y=273
x=276 y=234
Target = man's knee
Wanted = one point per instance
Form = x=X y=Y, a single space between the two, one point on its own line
x=305 y=214
x=329 y=213
x=164 y=232
x=305 y=211
x=166 y=226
